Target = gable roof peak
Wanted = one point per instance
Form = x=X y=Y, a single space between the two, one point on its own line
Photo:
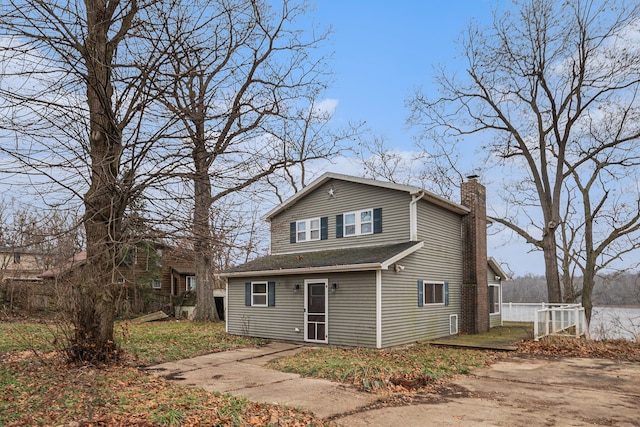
x=412 y=190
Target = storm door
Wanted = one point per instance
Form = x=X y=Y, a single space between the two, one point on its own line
x=315 y=311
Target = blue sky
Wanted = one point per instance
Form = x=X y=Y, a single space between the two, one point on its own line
x=385 y=49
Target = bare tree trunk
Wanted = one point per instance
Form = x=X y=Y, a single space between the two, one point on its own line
x=104 y=203
x=588 y=282
x=551 y=267
x=205 y=306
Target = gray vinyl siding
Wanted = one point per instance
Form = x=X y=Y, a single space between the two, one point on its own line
x=278 y=322
x=352 y=310
x=494 y=319
x=348 y=197
x=440 y=260
x=351 y=317
x=441 y=230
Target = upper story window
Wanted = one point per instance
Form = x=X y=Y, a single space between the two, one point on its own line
x=308 y=230
x=356 y=223
x=359 y=222
x=16 y=257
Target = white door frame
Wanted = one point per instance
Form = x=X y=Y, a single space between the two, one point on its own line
x=325 y=282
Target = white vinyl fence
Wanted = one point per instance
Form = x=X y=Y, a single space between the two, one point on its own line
x=520 y=312
x=549 y=319
x=563 y=319
x=609 y=322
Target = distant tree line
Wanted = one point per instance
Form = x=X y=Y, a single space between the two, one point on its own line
x=611 y=289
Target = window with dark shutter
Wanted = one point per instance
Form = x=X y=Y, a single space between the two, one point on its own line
x=260 y=294
x=358 y=223
x=305 y=230
x=433 y=293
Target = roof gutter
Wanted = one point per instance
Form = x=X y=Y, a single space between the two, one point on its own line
x=307 y=270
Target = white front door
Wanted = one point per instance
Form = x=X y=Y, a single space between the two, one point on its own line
x=315 y=311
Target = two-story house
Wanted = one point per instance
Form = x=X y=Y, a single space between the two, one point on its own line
x=361 y=262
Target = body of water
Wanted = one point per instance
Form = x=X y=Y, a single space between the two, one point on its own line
x=615 y=322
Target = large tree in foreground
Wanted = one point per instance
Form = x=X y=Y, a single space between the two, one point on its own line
x=554 y=86
x=241 y=82
x=73 y=89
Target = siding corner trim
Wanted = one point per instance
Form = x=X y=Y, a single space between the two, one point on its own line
x=378 y=308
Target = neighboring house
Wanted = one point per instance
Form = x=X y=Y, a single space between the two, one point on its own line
x=360 y=262
x=20 y=264
x=160 y=270
x=20 y=270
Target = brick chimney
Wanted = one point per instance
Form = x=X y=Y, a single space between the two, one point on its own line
x=475 y=288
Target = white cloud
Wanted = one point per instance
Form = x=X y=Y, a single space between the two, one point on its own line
x=326 y=107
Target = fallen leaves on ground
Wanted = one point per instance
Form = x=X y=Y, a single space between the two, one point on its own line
x=580 y=347
x=47 y=392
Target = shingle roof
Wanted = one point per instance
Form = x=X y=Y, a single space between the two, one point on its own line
x=347 y=259
x=76 y=260
x=181 y=269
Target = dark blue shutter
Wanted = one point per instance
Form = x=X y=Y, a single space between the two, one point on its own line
x=420 y=293
x=324 y=228
x=292 y=232
x=247 y=293
x=339 y=226
x=271 y=294
x=446 y=293
x=377 y=220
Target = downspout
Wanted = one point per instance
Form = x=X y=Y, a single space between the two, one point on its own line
x=226 y=306
x=413 y=215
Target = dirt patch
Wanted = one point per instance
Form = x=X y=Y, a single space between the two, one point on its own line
x=545 y=391
x=173 y=376
x=412 y=383
x=436 y=395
